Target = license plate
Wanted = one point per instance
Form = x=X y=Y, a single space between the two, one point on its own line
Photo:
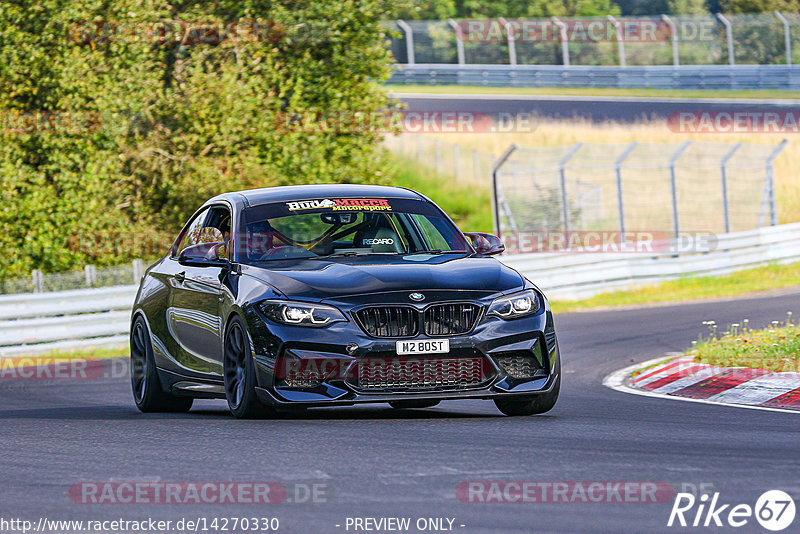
x=423 y=346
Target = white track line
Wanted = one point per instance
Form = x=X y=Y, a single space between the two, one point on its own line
x=616 y=381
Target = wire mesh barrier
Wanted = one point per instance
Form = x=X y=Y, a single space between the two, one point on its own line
x=447 y=159
x=89 y=277
x=667 y=189
x=720 y=39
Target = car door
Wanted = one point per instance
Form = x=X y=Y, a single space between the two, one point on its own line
x=196 y=295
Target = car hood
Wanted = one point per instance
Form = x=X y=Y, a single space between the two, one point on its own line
x=320 y=279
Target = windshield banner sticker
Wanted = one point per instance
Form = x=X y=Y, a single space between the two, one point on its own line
x=342 y=204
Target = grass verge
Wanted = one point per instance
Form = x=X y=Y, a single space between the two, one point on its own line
x=470 y=206
x=693 y=288
x=68 y=355
x=776 y=348
x=770 y=94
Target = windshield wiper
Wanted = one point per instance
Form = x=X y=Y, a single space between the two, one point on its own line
x=439 y=251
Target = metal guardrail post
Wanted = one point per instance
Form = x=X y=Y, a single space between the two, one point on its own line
x=620 y=206
x=562 y=173
x=459 y=41
x=38 y=281
x=495 y=197
x=562 y=35
x=787 y=36
x=729 y=33
x=674 y=186
x=676 y=60
x=773 y=202
x=409 y=41
x=511 y=38
x=724 y=177
x=620 y=40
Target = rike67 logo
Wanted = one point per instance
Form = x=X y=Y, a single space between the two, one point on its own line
x=774 y=510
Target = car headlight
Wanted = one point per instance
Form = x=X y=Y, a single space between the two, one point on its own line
x=516 y=305
x=301 y=313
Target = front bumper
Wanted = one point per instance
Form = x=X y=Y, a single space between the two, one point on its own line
x=491 y=339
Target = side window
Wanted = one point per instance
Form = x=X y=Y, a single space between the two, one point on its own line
x=217 y=230
x=192 y=236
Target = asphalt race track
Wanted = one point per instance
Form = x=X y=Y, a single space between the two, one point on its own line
x=376 y=461
x=592 y=108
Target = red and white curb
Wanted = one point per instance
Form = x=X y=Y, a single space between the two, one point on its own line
x=681 y=378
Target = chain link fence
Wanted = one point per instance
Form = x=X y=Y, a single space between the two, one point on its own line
x=464 y=164
x=89 y=277
x=666 y=188
x=719 y=39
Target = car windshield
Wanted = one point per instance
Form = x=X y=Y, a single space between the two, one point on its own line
x=345 y=227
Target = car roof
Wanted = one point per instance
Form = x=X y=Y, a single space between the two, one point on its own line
x=264 y=195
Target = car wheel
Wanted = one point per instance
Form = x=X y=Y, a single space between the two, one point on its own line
x=147 y=391
x=532 y=405
x=401 y=405
x=240 y=375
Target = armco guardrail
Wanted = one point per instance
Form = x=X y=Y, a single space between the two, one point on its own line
x=784 y=77
x=98 y=317
x=582 y=275
x=40 y=322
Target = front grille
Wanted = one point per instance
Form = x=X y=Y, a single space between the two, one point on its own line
x=420 y=374
x=451 y=319
x=518 y=365
x=389 y=321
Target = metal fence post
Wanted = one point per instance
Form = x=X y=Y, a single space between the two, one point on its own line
x=620 y=206
x=495 y=197
x=729 y=33
x=620 y=40
x=512 y=46
x=674 y=186
x=91 y=275
x=724 y=178
x=459 y=41
x=38 y=281
x=787 y=36
x=562 y=36
x=676 y=60
x=456 y=158
x=138 y=270
x=562 y=173
x=438 y=154
x=773 y=201
x=409 y=40
x=476 y=166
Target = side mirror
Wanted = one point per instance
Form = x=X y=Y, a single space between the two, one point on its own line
x=487 y=244
x=202 y=255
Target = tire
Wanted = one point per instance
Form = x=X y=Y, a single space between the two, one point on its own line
x=535 y=404
x=240 y=374
x=403 y=405
x=145 y=384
